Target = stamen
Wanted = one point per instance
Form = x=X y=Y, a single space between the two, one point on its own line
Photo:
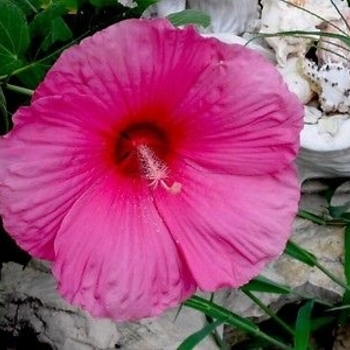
x=156 y=170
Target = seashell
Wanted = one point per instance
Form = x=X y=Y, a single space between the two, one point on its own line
x=325 y=148
x=312 y=115
x=332 y=50
x=167 y=7
x=279 y=16
x=229 y=16
x=332 y=83
x=296 y=80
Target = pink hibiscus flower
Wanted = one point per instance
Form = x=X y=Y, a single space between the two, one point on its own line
x=150 y=162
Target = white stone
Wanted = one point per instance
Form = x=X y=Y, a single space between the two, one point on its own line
x=229 y=16
x=329 y=125
x=29 y=296
x=311 y=115
x=315 y=139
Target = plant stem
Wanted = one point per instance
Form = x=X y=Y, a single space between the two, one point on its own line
x=268 y=312
x=19 y=89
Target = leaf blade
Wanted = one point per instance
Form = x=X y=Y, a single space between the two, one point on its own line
x=189 y=17
x=14 y=38
x=195 y=338
x=303 y=326
x=264 y=285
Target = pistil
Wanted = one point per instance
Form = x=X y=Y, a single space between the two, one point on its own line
x=155 y=170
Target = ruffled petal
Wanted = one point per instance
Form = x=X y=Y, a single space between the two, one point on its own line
x=57 y=149
x=242 y=118
x=168 y=63
x=236 y=113
x=229 y=227
x=115 y=256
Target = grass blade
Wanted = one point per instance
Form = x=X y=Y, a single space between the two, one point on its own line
x=264 y=285
x=195 y=338
x=189 y=17
x=300 y=254
x=217 y=312
x=303 y=327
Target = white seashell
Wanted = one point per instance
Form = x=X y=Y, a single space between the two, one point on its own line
x=229 y=16
x=279 y=16
x=316 y=138
x=331 y=50
x=296 y=80
x=167 y=7
x=328 y=125
x=311 y=115
x=332 y=83
x=323 y=154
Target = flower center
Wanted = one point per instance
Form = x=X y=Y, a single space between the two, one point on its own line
x=142 y=151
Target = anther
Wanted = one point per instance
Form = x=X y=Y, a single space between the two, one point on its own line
x=155 y=170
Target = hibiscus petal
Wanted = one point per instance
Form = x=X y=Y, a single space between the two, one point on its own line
x=154 y=79
x=242 y=118
x=115 y=256
x=229 y=227
x=232 y=101
x=55 y=151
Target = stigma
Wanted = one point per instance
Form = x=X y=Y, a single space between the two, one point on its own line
x=155 y=170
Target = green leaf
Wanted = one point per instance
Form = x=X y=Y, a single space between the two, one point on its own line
x=347 y=254
x=50 y=26
x=320 y=322
x=14 y=38
x=28 y=6
x=303 y=326
x=344 y=316
x=189 y=17
x=338 y=211
x=4 y=127
x=333 y=185
x=300 y=254
x=265 y=285
x=339 y=308
x=70 y=5
x=32 y=76
x=104 y=3
x=217 y=312
x=195 y=338
x=304 y=214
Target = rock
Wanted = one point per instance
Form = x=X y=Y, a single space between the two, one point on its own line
x=28 y=299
